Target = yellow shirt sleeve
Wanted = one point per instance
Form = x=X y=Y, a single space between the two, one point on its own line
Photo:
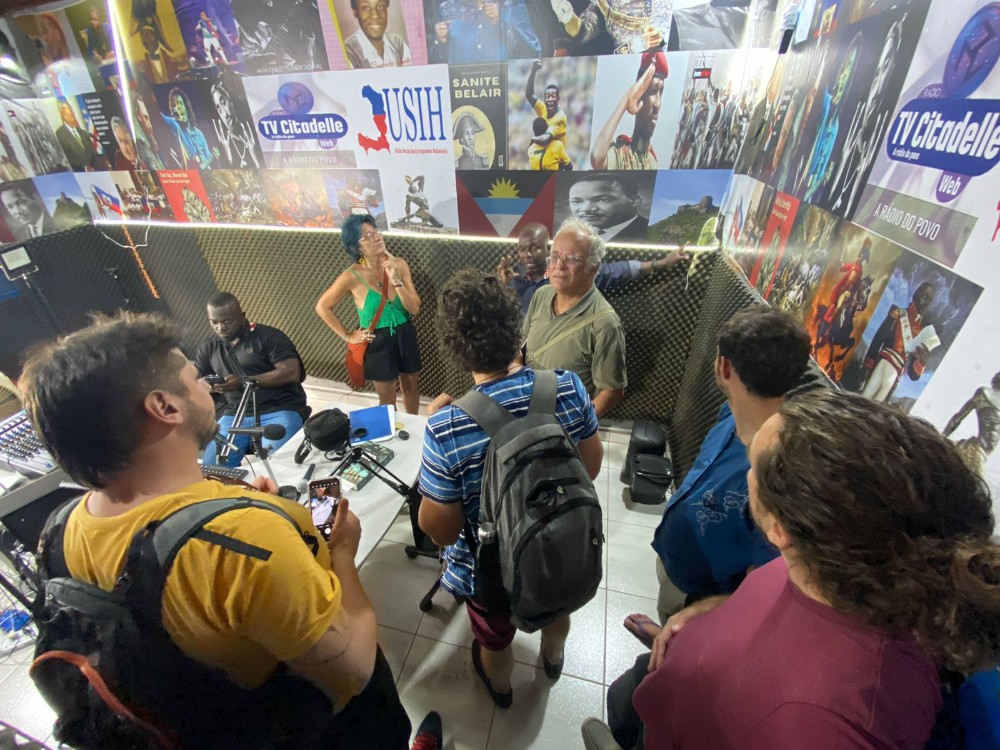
x=539 y=107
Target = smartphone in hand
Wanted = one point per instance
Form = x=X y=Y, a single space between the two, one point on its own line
x=213 y=379
x=324 y=495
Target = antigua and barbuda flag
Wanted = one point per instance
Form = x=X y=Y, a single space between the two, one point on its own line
x=498 y=204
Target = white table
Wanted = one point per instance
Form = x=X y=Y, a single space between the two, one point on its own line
x=376 y=504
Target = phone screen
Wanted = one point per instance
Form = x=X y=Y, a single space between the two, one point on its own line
x=324 y=494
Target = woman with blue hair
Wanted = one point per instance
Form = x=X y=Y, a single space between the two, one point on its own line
x=392 y=347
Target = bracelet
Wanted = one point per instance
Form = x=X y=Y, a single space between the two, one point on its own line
x=396 y=286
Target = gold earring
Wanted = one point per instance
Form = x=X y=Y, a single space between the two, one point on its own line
x=361 y=261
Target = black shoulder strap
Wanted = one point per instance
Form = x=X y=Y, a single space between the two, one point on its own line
x=486 y=412
x=51 y=555
x=154 y=548
x=543 y=396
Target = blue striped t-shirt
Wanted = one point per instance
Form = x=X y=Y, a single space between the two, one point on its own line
x=455 y=450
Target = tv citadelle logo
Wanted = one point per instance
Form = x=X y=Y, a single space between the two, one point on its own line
x=943 y=128
x=414 y=114
x=296 y=121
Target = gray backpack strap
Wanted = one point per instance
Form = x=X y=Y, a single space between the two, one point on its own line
x=543 y=397
x=173 y=532
x=486 y=412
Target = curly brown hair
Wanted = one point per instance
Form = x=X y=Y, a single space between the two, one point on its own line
x=888 y=521
x=480 y=321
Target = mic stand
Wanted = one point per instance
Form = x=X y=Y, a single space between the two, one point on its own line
x=249 y=398
x=359 y=455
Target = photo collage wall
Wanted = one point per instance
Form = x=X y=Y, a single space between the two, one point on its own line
x=865 y=204
x=436 y=116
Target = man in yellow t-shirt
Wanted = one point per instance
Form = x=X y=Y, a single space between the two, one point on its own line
x=551 y=156
x=124 y=413
x=548 y=110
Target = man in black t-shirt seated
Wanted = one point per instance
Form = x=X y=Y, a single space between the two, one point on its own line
x=242 y=351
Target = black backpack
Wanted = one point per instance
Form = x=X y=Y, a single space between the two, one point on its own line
x=540 y=541
x=108 y=668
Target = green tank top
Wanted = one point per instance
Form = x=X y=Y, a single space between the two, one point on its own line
x=393 y=314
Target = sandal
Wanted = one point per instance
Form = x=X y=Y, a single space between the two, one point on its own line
x=503 y=700
x=638 y=625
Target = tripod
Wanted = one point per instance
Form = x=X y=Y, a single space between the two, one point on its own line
x=249 y=399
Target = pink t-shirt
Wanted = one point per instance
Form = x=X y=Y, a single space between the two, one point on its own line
x=772 y=668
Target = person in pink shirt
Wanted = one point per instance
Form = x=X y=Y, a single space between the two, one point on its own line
x=887 y=575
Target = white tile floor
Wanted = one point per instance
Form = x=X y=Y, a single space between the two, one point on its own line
x=430 y=653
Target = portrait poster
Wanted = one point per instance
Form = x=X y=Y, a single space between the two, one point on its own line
x=186 y=195
x=499 y=204
x=297 y=197
x=23 y=211
x=59 y=54
x=63 y=200
x=857 y=271
x=355 y=191
x=745 y=213
x=232 y=122
x=280 y=37
x=30 y=125
x=720 y=90
x=555 y=98
x=22 y=64
x=935 y=177
x=211 y=38
x=152 y=39
x=101 y=196
x=142 y=196
x=773 y=244
x=685 y=208
x=643 y=139
x=479 y=115
x=616 y=204
x=806 y=255
x=460 y=32
x=91 y=27
x=919 y=315
x=237 y=197
x=380 y=33
x=102 y=117
x=186 y=113
x=869 y=63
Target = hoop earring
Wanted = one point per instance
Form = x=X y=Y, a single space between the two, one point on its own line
x=361 y=261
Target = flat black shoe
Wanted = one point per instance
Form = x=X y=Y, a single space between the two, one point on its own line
x=553 y=669
x=503 y=700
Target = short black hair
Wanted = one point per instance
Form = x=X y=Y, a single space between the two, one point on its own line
x=84 y=392
x=350 y=233
x=627 y=184
x=222 y=299
x=539 y=125
x=479 y=318
x=768 y=349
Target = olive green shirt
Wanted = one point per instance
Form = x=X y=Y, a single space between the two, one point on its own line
x=596 y=352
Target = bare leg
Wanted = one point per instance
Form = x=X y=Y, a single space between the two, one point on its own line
x=554 y=638
x=498 y=665
x=409 y=384
x=386 y=390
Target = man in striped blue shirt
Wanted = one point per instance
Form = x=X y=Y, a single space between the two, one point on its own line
x=479 y=318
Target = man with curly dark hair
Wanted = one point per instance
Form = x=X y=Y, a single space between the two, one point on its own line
x=478 y=318
x=887 y=574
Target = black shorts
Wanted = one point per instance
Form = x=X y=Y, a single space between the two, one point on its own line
x=390 y=354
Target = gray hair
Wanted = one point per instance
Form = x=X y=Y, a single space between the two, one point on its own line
x=596 y=249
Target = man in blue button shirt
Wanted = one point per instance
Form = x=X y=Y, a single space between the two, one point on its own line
x=706 y=542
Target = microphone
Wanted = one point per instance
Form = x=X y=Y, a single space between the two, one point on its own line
x=267 y=432
x=303 y=485
x=221 y=439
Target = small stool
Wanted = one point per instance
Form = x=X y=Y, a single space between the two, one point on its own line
x=651 y=478
x=647 y=438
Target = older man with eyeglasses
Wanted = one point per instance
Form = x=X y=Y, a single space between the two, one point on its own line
x=569 y=325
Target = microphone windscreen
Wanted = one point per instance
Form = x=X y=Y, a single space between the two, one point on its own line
x=274 y=431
